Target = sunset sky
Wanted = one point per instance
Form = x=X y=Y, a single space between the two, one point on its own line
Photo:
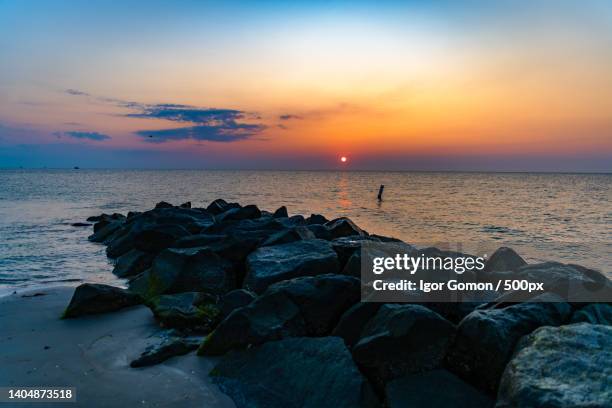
x=414 y=85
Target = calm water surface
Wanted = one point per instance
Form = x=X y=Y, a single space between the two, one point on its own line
x=563 y=217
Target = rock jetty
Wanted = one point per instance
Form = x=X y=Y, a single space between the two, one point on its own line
x=278 y=298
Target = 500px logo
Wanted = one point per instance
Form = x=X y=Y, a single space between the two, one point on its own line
x=410 y=264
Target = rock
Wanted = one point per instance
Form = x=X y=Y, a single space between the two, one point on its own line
x=158 y=237
x=320 y=231
x=354 y=320
x=485 y=338
x=572 y=282
x=239 y=213
x=267 y=265
x=177 y=270
x=163 y=204
x=234 y=300
x=132 y=263
x=186 y=205
x=198 y=240
x=342 y=227
x=304 y=372
x=400 y=340
x=281 y=212
x=96 y=218
x=293 y=221
x=292 y=235
x=303 y=306
x=316 y=219
x=434 y=389
x=80 y=224
x=559 y=367
x=503 y=259
x=219 y=205
x=194 y=310
x=347 y=246
x=595 y=313
x=90 y=298
x=166 y=348
x=102 y=233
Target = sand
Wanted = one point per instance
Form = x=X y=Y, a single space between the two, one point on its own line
x=93 y=355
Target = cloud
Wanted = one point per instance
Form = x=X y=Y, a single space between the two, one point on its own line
x=210 y=124
x=76 y=92
x=289 y=116
x=95 y=136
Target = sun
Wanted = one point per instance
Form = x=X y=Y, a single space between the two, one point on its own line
x=343 y=159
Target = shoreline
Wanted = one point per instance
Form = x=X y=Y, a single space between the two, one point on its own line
x=93 y=354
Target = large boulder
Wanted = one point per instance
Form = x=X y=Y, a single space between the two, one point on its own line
x=502 y=260
x=343 y=227
x=155 y=238
x=560 y=367
x=103 y=230
x=434 y=389
x=354 y=320
x=268 y=265
x=595 y=313
x=193 y=310
x=485 y=338
x=198 y=240
x=91 y=298
x=291 y=235
x=239 y=213
x=281 y=212
x=316 y=219
x=177 y=270
x=219 y=206
x=297 y=372
x=303 y=306
x=235 y=300
x=132 y=263
x=400 y=340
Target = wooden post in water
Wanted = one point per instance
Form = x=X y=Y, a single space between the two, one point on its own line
x=380 y=191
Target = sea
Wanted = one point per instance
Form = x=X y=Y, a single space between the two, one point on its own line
x=544 y=217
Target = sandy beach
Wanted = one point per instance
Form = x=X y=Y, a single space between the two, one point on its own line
x=37 y=348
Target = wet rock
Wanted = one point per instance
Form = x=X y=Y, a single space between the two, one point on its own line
x=343 y=227
x=239 y=213
x=400 y=340
x=90 y=298
x=320 y=231
x=155 y=238
x=194 y=310
x=595 y=313
x=303 y=306
x=486 y=338
x=305 y=372
x=347 y=246
x=102 y=233
x=293 y=221
x=132 y=263
x=186 y=205
x=163 y=350
x=316 y=219
x=163 y=204
x=271 y=264
x=219 y=206
x=559 y=367
x=234 y=300
x=292 y=235
x=503 y=259
x=434 y=389
x=281 y=212
x=354 y=320
x=177 y=270
x=198 y=240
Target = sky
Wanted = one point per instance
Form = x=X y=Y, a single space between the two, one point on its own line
x=412 y=85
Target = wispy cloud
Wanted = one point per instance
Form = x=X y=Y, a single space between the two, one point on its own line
x=76 y=92
x=95 y=136
x=208 y=124
x=289 y=116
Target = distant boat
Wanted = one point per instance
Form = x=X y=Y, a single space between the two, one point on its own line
x=76 y=167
